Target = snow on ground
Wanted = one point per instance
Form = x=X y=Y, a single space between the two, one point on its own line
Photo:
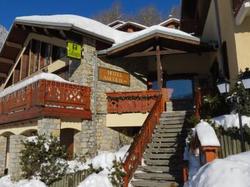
x=30 y=80
x=104 y=160
x=233 y=171
x=231 y=120
x=96 y=180
x=206 y=134
x=6 y=182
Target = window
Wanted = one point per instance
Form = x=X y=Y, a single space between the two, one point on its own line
x=45 y=54
x=181 y=88
x=58 y=53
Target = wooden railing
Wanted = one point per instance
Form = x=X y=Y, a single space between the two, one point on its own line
x=46 y=98
x=197 y=102
x=135 y=153
x=236 y=6
x=131 y=102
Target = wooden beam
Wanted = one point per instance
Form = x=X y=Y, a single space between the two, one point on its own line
x=152 y=53
x=6 y=60
x=159 y=67
x=62 y=33
x=33 y=29
x=46 y=31
x=14 y=45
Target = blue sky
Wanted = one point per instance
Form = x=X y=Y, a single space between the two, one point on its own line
x=13 y=8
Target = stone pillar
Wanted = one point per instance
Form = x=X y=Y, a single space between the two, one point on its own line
x=14 y=161
x=3 y=146
x=107 y=138
x=49 y=126
x=85 y=141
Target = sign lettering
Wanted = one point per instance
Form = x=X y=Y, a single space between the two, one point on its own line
x=113 y=76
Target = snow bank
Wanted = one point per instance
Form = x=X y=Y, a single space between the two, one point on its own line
x=231 y=120
x=35 y=78
x=96 y=180
x=6 y=182
x=233 y=171
x=206 y=134
x=104 y=160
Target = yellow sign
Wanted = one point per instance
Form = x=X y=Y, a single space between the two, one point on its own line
x=113 y=76
x=74 y=50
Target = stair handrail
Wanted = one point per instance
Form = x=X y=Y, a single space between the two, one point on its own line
x=137 y=148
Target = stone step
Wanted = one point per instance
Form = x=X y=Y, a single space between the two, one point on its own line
x=158 y=169
x=172 y=163
x=152 y=183
x=165 y=121
x=156 y=176
x=162 y=156
x=165 y=135
x=168 y=139
x=171 y=128
x=162 y=145
x=174 y=113
x=164 y=140
x=173 y=118
x=168 y=150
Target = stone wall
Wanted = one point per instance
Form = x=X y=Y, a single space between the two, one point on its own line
x=3 y=147
x=85 y=73
x=85 y=141
x=49 y=126
x=14 y=161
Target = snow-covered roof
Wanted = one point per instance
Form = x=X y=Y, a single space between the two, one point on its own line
x=206 y=134
x=116 y=22
x=95 y=28
x=168 y=21
x=79 y=23
x=30 y=80
x=156 y=29
x=130 y=23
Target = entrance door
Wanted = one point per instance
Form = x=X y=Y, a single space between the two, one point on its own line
x=181 y=93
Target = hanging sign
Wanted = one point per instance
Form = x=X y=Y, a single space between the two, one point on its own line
x=113 y=76
x=74 y=50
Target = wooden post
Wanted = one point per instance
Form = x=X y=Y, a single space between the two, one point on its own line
x=159 y=67
x=210 y=153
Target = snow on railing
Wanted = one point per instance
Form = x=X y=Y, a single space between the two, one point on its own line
x=203 y=148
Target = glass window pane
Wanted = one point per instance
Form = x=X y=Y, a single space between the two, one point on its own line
x=182 y=88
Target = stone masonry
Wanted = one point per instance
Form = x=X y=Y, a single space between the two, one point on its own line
x=14 y=161
x=49 y=126
x=85 y=73
x=85 y=141
x=3 y=146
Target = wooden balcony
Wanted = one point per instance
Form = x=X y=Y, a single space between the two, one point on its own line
x=46 y=99
x=131 y=102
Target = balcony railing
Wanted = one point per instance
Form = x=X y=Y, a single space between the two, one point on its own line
x=132 y=102
x=46 y=98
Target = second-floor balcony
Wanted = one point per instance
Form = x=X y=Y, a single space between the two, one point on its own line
x=45 y=98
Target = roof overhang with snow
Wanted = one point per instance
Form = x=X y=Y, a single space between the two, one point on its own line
x=169 y=22
x=129 y=24
x=166 y=38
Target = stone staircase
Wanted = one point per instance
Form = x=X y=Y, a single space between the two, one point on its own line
x=162 y=165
